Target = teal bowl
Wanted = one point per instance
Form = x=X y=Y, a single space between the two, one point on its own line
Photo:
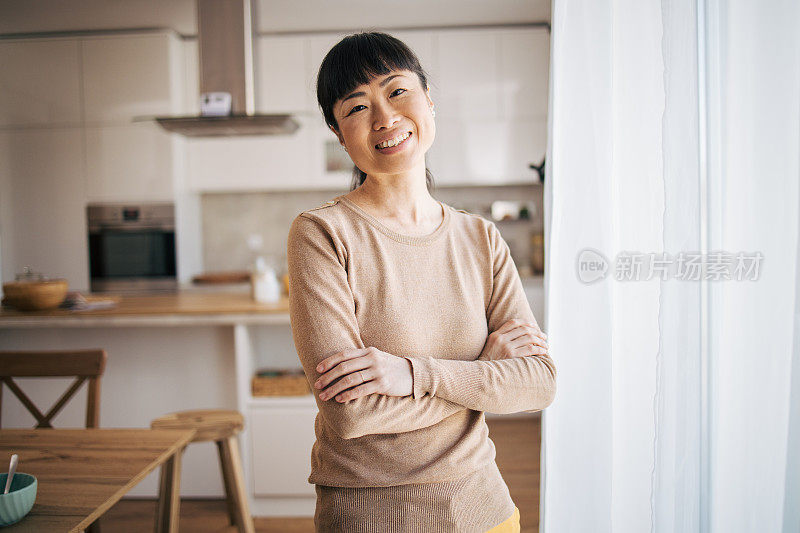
x=19 y=500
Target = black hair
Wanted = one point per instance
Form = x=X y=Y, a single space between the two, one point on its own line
x=356 y=60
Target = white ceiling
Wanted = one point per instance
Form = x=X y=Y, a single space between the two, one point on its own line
x=284 y=15
x=31 y=16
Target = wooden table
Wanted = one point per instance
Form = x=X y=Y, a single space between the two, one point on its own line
x=83 y=472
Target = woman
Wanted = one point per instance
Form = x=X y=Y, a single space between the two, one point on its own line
x=393 y=295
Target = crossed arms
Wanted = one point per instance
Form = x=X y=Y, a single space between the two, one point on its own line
x=323 y=320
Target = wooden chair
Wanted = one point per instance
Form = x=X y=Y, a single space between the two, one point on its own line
x=82 y=364
x=222 y=427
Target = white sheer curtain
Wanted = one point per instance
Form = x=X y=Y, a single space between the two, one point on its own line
x=674 y=129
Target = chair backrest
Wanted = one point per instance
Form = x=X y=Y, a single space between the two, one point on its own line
x=82 y=364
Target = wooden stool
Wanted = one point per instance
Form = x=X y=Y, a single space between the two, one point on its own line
x=221 y=427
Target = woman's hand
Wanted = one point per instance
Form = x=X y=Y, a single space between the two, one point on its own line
x=515 y=338
x=364 y=371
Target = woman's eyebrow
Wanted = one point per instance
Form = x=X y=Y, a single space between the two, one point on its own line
x=362 y=93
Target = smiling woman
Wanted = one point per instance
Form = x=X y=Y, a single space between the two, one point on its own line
x=409 y=318
x=368 y=71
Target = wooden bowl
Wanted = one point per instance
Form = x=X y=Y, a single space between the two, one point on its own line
x=35 y=295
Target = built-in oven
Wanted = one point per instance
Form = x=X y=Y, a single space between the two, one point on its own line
x=132 y=247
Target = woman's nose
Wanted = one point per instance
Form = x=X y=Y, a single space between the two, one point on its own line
x=385 y=116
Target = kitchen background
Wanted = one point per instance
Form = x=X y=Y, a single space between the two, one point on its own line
x=82 y=85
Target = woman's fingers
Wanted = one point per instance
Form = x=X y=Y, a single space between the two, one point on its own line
x=366 y=389
x=524 y=331
x=347 y=366
x=529 y=349
x=330 y=362
x=520 y=331
x=354 y=379
x=526 y=340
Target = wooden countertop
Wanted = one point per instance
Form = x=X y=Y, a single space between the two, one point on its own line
x=181 y=308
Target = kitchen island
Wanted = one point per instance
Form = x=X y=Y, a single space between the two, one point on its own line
x=184 y=350
x=182 y=307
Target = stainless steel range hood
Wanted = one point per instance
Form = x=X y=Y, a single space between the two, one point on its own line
x=225 y=39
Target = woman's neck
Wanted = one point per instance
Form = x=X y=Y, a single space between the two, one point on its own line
x=405 y=201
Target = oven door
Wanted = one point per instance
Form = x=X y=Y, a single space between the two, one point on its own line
x=132 y=259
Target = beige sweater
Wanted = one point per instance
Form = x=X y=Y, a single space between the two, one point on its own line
x=432 y=299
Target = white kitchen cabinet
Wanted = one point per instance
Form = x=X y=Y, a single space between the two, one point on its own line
x=125 y=77
x=259 y=162
x=493 y=123
x=282 y=435
x=42 y=213
x=279 y=431
x=468 y=151
x=469 y=74
x=280 y=66
x=524 y=72
x=40 y=82
x=131 y=75
x=129 y=162
x=487 y=152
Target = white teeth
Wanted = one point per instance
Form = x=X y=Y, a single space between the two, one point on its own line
x=395 y=141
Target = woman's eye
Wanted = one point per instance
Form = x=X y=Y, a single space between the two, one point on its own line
x=355 y=109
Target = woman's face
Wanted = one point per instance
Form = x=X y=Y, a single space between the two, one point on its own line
x=390 y=107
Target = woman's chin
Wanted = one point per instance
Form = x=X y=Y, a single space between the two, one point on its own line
x=406 y=166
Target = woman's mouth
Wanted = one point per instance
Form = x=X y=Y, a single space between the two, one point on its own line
x=393 y=145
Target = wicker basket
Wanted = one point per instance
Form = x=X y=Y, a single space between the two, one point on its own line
x=280 y=383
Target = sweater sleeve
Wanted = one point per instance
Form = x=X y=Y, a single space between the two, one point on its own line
x=323 y=321
x=503 y=386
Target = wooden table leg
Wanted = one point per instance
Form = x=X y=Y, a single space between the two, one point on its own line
x=169 y=495
x=161 y=509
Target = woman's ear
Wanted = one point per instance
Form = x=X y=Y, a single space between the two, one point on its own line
x=338 y=135
x=428 y=94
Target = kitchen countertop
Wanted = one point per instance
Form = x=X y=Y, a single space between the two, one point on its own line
x=222 y=305
x=173 y=309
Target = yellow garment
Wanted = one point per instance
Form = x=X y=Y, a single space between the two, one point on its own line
x=511 y=525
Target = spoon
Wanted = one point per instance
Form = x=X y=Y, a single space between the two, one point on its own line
x=12 y=467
